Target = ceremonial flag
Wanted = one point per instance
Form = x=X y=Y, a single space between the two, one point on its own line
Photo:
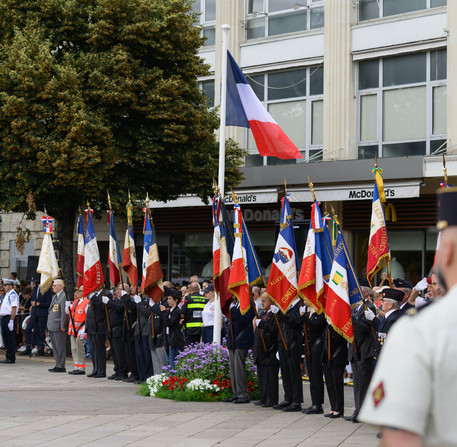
x=378 y=244
x=129 y=264
x=152 y=270
x=245 y=110
x=343 y=291
x=93 y=273
x=47 y=263
x=114 y=258
x=282 y=283
x=80 y=255
x=316 y=264
x=222 y=252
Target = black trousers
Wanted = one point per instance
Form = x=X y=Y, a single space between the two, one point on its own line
x=289 y=361
x=362 y=371
x=118 y=354
x=98 y=351
x=38 y=325
x=316 y=375
x=335 y=386
x=130 y=355
x=192 y=339
x=143 y=357
x=9 y=338
x=268 y=383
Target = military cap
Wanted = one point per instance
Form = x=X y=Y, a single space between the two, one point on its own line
x=447 y=209
x=208 y=288
x=403 y=283
x=393 y=294
x=364 y=282
x=9 y=281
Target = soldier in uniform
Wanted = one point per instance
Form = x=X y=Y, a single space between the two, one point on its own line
x=8 y=312
x=412 y=393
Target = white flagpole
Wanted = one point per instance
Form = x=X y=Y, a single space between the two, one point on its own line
x=221 y=176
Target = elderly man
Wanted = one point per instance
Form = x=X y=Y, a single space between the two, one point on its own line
x=8 y=312
x=57 y=326
x=418 y=411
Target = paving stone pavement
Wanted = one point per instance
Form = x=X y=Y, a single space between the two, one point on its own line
x=38 y=408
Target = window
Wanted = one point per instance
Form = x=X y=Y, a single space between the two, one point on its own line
x=294 y=99
x=207 y=19
x=275 y=17
x=208 y=88
x=402 y=105
x=373 y=9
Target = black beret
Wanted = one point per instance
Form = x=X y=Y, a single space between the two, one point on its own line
x=403 y=283
x=447 y=207
x=393 y=294
x=364 y=282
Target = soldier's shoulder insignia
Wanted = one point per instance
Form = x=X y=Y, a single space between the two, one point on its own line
x=378 y=394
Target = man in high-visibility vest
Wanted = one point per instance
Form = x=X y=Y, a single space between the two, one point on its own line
x=192 y=314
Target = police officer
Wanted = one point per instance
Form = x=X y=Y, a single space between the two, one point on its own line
x=412 y=393
x=8 y=312
x=192 y=313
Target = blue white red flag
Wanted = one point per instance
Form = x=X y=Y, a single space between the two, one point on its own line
x=152 y=270
x=93 y=273
x=129 y=264
x=282 y=283
x=245 y=110
x=80 y=254
x=114 y=258
x=378 y=244
x=316 y=264
x=343 y=291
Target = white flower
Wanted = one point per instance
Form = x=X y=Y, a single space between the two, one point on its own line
x=155 y=382
x=202 y=386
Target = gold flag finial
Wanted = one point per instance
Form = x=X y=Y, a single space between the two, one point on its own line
x=234 y=197
x=129 y=195
x=80 y=210
x=445 y=171
x=88 y=205
x=285 y=185
x=311 y=187
x=335 y=216
x=147 y=202
x=376 y=160
x=109 y=200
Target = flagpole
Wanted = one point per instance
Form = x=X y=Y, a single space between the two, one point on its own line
x=221 y=175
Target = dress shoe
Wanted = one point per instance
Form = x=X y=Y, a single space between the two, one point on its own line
x=72 y=372
x=99 y=375
x=327 y=415
x=243 y=400
x=292 y=407
x=313 y=409
x=92 y=374
x=112 y=376
x=258 y=402
x=57 y=370
x=307 y=408
x=230 y=399
x=335 y=415
x=267 y=405
x=282 y=405
x=26 y=352
x=79 y=372
x=7 y=361
x=130 y=379
x=120 y=378
x=351 y=418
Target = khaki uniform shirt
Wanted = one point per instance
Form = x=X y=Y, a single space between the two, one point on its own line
x=414 y=386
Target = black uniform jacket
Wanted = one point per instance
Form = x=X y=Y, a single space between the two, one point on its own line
x=269 y=330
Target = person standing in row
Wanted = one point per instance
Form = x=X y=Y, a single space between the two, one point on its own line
x=192 y=314
x=171 y=319
x=8 y=312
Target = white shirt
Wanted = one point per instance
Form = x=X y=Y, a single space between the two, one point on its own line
x=208 y=314
x=414 y=385
x=10 y=300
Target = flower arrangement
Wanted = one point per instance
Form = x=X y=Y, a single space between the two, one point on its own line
x=201 y=373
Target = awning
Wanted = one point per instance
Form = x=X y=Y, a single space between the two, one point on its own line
x=340 y=193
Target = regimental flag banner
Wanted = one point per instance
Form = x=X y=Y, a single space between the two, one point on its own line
x=47 y=264
x=80 y=254
x=245 y=110
x=93 y=273
x=344 y=291
x=152 y=271
x=114 y=258
x=238 y=280
x=316 y=264
x=129 y=264
x=222 y=253
x=378 y=244
x=282 y=283
x=253 y=268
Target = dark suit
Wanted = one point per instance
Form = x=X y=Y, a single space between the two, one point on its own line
x=38 y=319
x=96 y=329
x=383 y=326
x=142 y=350
x=157 y=337
x=315 y=326
x=116 y=317
x=129 y=334
x=266 y=361
x=171 y=320
x=362 y=356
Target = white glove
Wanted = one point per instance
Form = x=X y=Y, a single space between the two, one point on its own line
x=302 y=310
x=91 y=294
x=11 y=325
x=82 y=333
x=137 y=299
x=151 y=303
x=274 y=309
x=123 y=293
x=105 y=299
x=68 y=304
x=369 y=315
x=421 y=285
x=257 y=321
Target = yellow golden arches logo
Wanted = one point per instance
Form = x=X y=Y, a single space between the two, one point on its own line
x=391 y=212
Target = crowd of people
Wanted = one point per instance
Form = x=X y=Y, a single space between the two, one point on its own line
x=142 y=337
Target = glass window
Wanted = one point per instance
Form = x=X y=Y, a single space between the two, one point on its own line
x=317 y=123
x=368 y=9
x=208 y=88
x=280 y=5
x=253 y=160
x=288 y=84
x=439 y=110
x=316 y=81
x=210 y=35
x=404 y=114
x=291 y=117
x=255 y=28
x=257 y=84
x=436 y=144
x=196 y=6
x=438 y=65
x=392 y=7
x=315 y=155
x=255 y=6
x=367 y=152
x=317 y=18
x=368 y=117
x=368 y=74
x=407 y=69
x=210 y=10
x=404 y=149
x=287 y=23
x=435 y=3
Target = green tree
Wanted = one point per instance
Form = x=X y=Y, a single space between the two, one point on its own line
x=103 y=94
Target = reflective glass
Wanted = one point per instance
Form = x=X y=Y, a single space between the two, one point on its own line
x=255 y=6
x=368 y=9
x=317 y=124
x=288 y=84
x=367 y=152
x=404 y=149
x=368 y=117
x=210 y=34
x=439 y=110
x=208 y=88
x=258 y=85
x=438 y=65
x=287 y=23
x=407 y=69
x=255 y=29
x=253 y=160
x=317 y=18
x=210 y=10
x=392 y=7
x=291 y=117
x=280 y=5
x=368 y=74
x=316 y=81
x=435 y=3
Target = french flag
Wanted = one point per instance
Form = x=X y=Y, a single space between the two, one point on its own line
x=245 y=110
x=80 y=255
x=152 y=270
x=93 y=273
x=114 y=258
x=129 y=264
x=316 y=265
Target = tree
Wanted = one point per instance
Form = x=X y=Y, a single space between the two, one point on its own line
x=103 y=94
